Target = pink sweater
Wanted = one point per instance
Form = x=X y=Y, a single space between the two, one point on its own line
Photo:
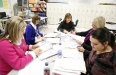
x=13 y=56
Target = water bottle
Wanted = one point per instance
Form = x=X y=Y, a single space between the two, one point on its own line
x=59 y=50
x=46 y=69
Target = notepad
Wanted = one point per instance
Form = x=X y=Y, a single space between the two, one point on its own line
x=45 y=46
x=48 y=54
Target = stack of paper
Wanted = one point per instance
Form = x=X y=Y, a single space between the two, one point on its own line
x=72 y=62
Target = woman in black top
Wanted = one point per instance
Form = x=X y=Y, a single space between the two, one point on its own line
x=66 y=25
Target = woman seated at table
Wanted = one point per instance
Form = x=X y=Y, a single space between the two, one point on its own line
x=98 y=22
x=13 y=47
x=32 y=34
x=102 y=58
x=66 y=25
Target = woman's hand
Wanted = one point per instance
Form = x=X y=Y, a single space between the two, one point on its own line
x=37 y=51
x=81 y=49
x=72 y=32
x=65 y=31
x=35 y=46
x=79 y=42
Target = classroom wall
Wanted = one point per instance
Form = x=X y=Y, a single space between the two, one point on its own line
x=85 y=1
x=10 y=11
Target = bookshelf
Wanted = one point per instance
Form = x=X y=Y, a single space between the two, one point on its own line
x=32 y=4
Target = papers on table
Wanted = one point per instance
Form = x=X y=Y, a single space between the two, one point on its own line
x=33 y=68
x=45 y=46
x=53 y=40
x=72 y=62
x=48 y=54
x=76 y=37
x=72 y=53
x=51 y=35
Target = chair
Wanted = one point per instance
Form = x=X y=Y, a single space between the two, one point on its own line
x=60 y=20
x=76 y=22
x=3 y=15
x=114 y=48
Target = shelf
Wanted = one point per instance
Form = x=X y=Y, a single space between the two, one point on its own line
x=32 y=1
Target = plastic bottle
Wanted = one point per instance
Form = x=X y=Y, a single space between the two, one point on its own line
x=46 y=69
x=59 y=50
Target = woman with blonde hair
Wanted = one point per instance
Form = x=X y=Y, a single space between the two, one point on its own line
x=13 y=47
x=98 y=22
x=66 y=25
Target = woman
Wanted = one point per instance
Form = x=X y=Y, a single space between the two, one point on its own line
x=13 y=47
x=98 y=22
x=102 y=58
x=67 y=25
x=32 y=34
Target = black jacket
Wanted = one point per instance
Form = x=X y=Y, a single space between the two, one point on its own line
x=87 y=44
x=64 y=25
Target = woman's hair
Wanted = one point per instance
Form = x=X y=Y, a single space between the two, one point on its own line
x=35 y=18
x=104 y=35
x=68 y=15
x=12 y=28
x=99 y=22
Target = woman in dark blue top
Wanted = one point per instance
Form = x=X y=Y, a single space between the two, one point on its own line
x=32 y=34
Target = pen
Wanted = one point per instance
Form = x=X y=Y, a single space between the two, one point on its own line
x=79 y=46
x=49 y=56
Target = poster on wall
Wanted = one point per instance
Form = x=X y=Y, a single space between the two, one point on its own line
x=5 y=4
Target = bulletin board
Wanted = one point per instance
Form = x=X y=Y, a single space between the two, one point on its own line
x=1 y=3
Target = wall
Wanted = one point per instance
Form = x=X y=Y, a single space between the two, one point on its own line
x=85 y=1
x=85 y=13
x=10 y=10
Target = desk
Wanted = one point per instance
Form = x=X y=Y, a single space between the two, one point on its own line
x=111 y=26
x=33 y=68
x=36 y=66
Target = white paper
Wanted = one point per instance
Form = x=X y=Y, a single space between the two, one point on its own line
x=57 y=69
x=72 y=64
x=47 y=54
x=76 y=37
x=53 y=40
x=51 y=35
x=46 y=46
x=72 y=53
x=33 y=68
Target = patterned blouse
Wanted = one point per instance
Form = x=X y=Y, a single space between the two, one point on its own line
x=101 y=64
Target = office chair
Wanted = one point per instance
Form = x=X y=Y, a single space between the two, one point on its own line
x=3 y=15
x=76 y=22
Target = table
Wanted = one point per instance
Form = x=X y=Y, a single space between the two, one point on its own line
x=36 y=66
x=111 y=26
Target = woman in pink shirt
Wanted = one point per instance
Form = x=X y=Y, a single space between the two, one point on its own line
x=13 y=47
